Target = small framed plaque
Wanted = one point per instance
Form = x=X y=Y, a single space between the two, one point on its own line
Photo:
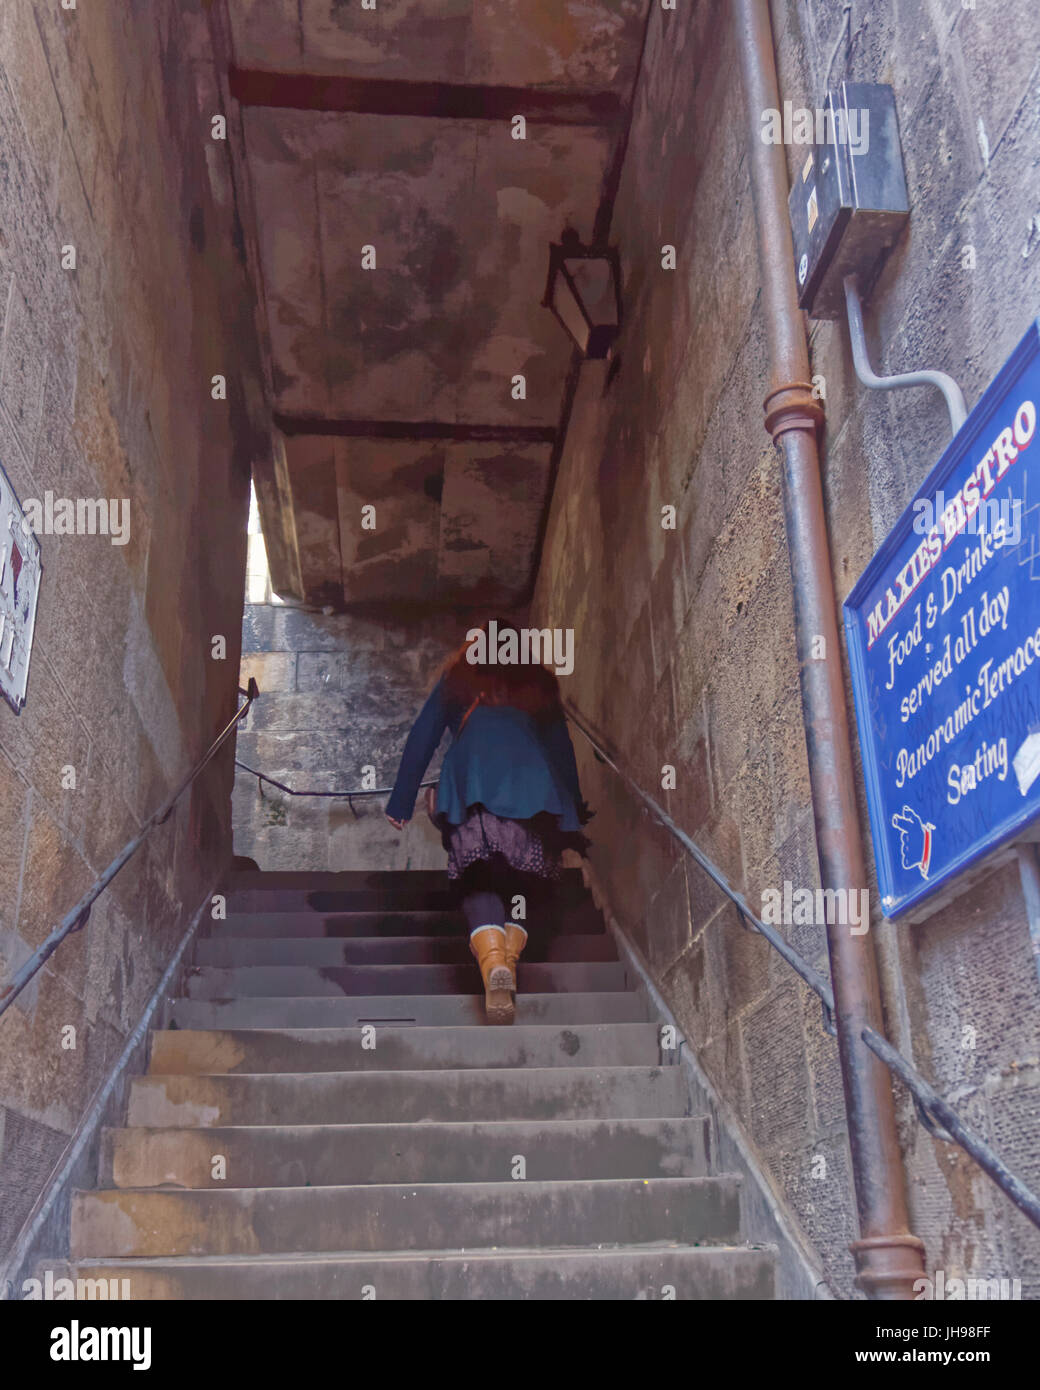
x=20 y=570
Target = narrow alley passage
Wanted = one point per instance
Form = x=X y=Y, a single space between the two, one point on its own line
x=520 y=748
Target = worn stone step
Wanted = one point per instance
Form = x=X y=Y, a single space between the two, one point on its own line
x=405 y=894
x=232 y=952
x=377 y=880
x=581 y=919
x=405 y=897
x=333 y=924
x=618 y=1006
x=183 y=1050
x=409 y=1216
x=331 y=901
x=407 y=1097
x=327 y=1155
x=574 y=977
x=682 y=1272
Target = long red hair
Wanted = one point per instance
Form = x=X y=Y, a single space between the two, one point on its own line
x=531 y=688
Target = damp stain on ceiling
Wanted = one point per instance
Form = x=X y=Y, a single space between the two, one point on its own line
x=402 y=258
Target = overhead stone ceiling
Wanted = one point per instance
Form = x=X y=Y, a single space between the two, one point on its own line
x=569 y=45
x=392 y=385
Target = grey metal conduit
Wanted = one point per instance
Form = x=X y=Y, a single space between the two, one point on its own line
x=76 y=918
x=953 y=394
x=938 y=1118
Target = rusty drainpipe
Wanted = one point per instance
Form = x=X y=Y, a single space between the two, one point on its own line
x=888 y=1257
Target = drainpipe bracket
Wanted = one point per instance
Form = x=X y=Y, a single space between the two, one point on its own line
x=792 y=406
x=889 y=1266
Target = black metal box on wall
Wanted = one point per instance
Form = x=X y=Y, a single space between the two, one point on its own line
x=849 y=201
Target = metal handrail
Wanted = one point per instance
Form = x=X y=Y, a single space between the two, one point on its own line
x=937 y=1117
x=348 y=796
x=76 y=919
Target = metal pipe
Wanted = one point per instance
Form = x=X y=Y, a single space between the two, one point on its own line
x=955 y=403
x=888 y=1257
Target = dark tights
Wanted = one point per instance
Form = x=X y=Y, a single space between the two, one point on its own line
x=487 y=886
x=483 y=910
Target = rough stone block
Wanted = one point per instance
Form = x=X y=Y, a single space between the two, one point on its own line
x=775 y=1048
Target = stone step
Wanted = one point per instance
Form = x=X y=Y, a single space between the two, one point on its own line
x=377 y=880
x=360 y=925
x=327 y=1155
x=183 y=1050
x=248 y=981
x=427 y=1216
x=231 y=952
x=408 y=1097
x=553 y=1159
x=331 y=901
x=701 y=1273
x=619 y=1006
x=583 y=919
x=404 y=895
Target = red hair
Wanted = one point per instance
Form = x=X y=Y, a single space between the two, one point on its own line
x=531 y=688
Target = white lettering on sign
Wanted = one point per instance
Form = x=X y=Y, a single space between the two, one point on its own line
x=959 y=511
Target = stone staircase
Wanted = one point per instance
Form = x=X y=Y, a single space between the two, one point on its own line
x=376 y=1139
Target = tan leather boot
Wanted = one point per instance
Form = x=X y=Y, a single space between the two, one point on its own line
x=516 y=940
x=488 y=945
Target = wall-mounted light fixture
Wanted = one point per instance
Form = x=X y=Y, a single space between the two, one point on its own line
x=584 y=293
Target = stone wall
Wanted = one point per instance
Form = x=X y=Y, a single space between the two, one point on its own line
x=105 y=392
x=685 y=643
x=340 y=692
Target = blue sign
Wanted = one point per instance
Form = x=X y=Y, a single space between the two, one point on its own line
x=944 y=643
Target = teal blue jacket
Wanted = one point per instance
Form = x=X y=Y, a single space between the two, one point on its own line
x=505 y=759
